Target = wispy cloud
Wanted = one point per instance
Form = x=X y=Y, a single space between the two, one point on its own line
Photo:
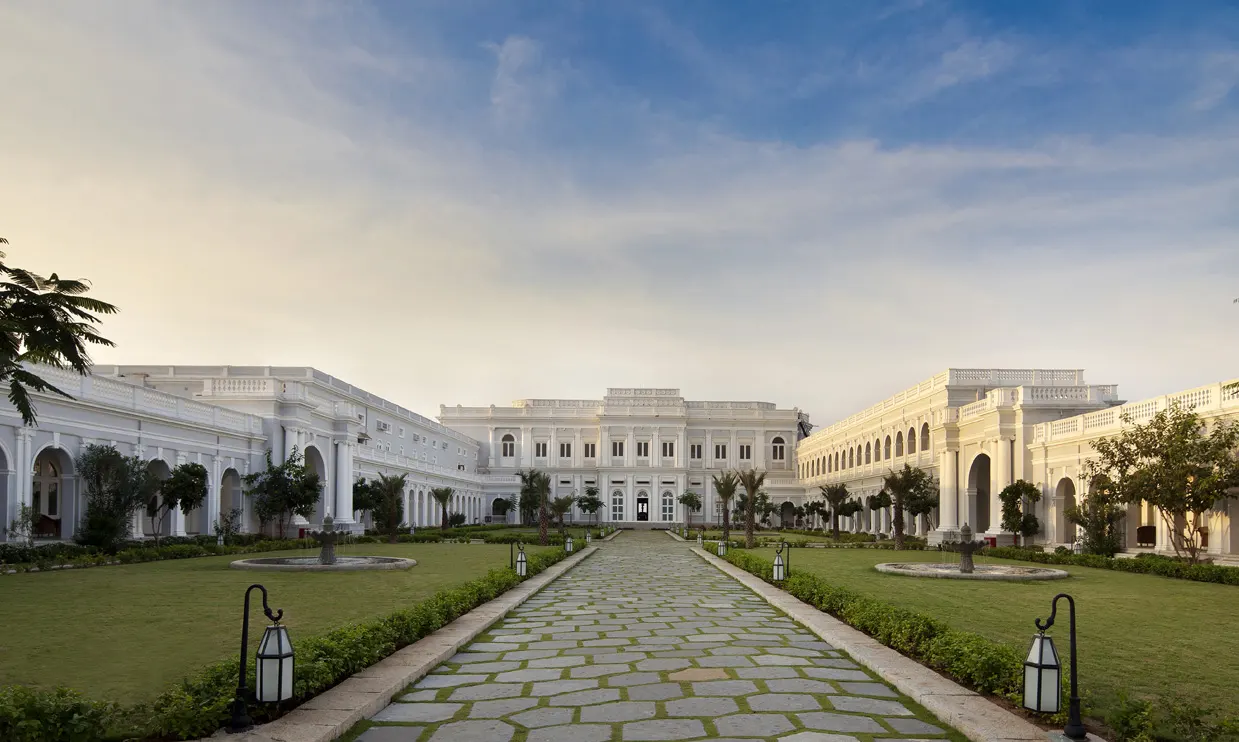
x=523 y=84
x=1219 y=77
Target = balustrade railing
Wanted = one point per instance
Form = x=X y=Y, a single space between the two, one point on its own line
x=1206 y=401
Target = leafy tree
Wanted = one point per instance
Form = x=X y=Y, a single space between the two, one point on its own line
x=388 y=504
x=443 y=496
x=1176 y=465
x=283 y=491
x=228 y=525
x=590 y=503
x=44 y=321
x=818 y=510
x=25 y=525
x=501 y=506
x=751 y=480
x=527 y=505
x=879 y=501
x=766 y=509
x=536 y=486
x=456 y=520
x=837 y=497
x=799 y=511
x=1099 y=517
x=560 y=507
x=116 y=488
x=185 y=490
x=1014 y=519
x=908 y=485
x=366 y=496
x=692 y=503
x=725 y=486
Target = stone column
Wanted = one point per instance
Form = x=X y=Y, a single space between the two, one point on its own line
x=331 y=504
x=492 y=456
x=681 y=451
x=707 y=456
x=630 y=455
x=552 y=450
x=214 y=493
x=344 y=492
x=24 y=466
x=176 y=519
x=948 y=494
x=1000 y=477
x=290 y=442
x=759 y=449
x=733 y=453
x=656 y=459
x=526 y=458
x=578 y=450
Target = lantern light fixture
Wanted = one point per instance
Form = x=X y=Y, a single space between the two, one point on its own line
x=568 y=544
x=588 y=537
x=274 y=664
x=700 y=539
x=1043 y=673
x=522 y=564
x=780 y=568
x=722 y=548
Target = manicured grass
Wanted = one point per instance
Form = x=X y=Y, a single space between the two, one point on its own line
x=1148 y=636
x=124 y=633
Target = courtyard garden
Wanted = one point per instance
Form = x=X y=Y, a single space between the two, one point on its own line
x=1140 y=636
x=126 y=632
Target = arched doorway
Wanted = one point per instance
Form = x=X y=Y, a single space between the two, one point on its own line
x=50 y=495
x=232 y=501
x=787 y=515
x=643 y=505
x=978 y=493
x=617 y=505
x=1064 y=498
x=314 y=462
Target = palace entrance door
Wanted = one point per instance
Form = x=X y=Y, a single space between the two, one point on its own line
x=643 y=506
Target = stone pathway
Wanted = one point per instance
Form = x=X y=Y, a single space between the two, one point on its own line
x=646 y=641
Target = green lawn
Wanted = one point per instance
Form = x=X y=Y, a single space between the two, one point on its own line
x=126 y=632
x=1149 y=636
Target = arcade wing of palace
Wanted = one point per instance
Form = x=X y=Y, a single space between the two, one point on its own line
x=974 y=430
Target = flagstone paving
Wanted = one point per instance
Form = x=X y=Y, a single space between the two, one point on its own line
x=645 y=642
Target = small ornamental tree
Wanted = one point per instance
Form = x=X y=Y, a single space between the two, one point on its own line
x=909 y=484
x=229 y=525
x=799 y=512
x=443 y=496
x=560 y=507
x=366 y=496
x=836 y=495
x=1014 y=519
x=692 y=503
x=725 y=486
x=283 y=491
x=880 y=501
x=590 y=504
x=1100 y=517
x=817 y=511
x=116 y=488
x=185 y=490
x=25 y=525
x=388 y=504
x=751 y=480
x=1176 y=465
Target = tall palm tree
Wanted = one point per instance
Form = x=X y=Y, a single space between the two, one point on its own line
x=560 y=507
x=837 y=496
x=725 y=485
x=43 y=321
x=389 y=511
x=751 y=480
x=537 y=484
x=443 y=496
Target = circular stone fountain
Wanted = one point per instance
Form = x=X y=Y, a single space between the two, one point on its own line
x=326 y=561
x=1010 y=573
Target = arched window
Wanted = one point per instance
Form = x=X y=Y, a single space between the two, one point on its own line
x=668 y=506
x=508 y=445
x=911 y=441
x=887 y=449
x=867 y=459
x=828 y=457
x=899 y=444
x=851 y=459
x=45 y=495
x=617 y=505
x=836 y=461
x=776 y=449
x=925 y=437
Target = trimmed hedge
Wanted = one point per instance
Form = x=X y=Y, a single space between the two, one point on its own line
x=199 y=705
x=1147 y=564
x=45 y=559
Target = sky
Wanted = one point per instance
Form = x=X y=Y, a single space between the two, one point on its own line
x=811 y=203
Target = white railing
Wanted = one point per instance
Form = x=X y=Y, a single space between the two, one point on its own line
x=1206 y=401
x=384 y=457
x=134 y=398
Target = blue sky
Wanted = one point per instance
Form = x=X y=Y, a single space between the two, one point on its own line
x=813 y=203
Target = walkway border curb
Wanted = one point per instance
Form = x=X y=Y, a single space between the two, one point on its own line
x=330 y=714
x=968 y=712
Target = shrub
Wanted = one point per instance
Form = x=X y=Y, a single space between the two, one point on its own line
x=61 y=715
x=1149 y=564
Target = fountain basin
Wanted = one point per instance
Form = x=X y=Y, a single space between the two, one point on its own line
x=310 y=564
x=997 y=572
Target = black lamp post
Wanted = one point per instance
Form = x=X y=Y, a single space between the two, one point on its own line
x=274 y=664
x=1042 y=672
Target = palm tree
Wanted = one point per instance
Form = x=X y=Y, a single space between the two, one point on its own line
x=537 y=485
x=906 y=485
x=389 y=504
x=751 y=480
x=44 y=321
x=560 y=507
x=443 y=496
x=836 y=497
x=725 y=485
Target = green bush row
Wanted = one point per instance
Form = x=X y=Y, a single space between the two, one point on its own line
x=199 y=705
x=147 y=552
x=1148 y=564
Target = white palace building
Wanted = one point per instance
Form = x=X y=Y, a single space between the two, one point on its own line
x=975 y=430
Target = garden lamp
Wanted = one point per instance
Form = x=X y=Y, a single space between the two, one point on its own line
x=779 y=567
x=275 y=664
x=700 y=539
x=1043 y=673
x=722 y=548
x=588 y=538
x=522 y=564
x=568 y=544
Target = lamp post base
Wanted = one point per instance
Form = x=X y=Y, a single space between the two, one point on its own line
x=1058 y=736
x=241 y=721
